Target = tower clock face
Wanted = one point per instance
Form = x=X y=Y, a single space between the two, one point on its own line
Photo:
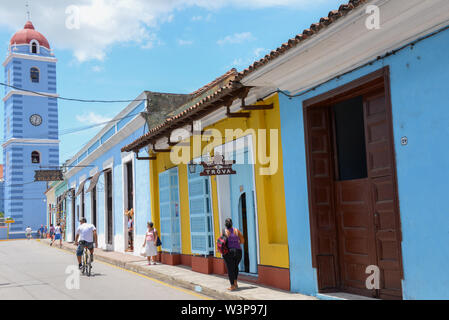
x=36 y=120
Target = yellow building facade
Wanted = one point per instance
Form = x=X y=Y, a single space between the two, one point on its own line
x=261 y=129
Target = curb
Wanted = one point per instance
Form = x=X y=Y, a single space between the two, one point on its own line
x=131 y=266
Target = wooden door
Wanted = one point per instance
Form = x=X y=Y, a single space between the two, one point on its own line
x=367 y=216
x=383 y=189
x=354 y=220
x=321 y=176
x=109 y=190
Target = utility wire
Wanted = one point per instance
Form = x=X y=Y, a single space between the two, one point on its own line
x=69 y=99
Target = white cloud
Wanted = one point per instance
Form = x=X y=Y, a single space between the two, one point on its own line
x=92 y=118
x=206 y=18
x=255 y=55
x=106 y=23
x=97 y=69
x=185 y=42
x=237 y=38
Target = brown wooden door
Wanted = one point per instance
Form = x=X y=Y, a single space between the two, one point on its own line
x=383 y=189
x=356 y=234
x=322 y=198
x=367 y=218
x=354 y=221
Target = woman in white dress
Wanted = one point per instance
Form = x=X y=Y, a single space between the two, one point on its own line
x=150 y=244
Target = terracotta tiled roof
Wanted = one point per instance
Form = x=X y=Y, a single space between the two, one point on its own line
x=191 y=111
x=307 y=33
x=208 y=86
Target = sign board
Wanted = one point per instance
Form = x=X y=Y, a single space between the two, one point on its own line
x=218 y=167
x=48 y=175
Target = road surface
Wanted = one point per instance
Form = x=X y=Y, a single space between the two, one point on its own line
x=31 y=270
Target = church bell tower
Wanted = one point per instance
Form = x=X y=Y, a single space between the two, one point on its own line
x=30 y=127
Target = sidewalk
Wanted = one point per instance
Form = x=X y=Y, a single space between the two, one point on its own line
x=181 y=276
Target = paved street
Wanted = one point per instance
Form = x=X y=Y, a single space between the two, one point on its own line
x=33 y=271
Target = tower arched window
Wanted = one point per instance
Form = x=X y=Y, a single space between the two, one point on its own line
x=34 y=74
x=35 y=157
x=34 y=46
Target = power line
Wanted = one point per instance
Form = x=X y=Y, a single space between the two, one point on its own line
x=69 y=99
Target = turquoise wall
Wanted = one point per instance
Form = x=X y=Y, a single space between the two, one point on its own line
x=420 y=95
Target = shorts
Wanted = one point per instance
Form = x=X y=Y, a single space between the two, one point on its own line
x=82 y=245
x=58 y=236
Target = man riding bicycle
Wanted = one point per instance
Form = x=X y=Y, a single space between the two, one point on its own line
x=87 y=235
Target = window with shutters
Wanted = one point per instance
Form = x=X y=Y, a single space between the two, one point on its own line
x=170 y=211
x=201 y=231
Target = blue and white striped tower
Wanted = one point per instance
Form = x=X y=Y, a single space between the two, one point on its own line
x=30 y=127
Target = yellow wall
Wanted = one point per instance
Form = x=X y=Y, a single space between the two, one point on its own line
x=271 y=213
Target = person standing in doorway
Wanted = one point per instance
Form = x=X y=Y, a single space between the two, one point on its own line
x=150 y=244
x=234 y=256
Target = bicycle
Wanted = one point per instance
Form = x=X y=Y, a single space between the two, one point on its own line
x=87 y=262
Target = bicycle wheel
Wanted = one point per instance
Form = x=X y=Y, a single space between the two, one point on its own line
x=89 y=265
x=84 y=262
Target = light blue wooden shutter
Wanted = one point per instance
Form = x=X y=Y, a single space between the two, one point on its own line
x=175 y=211
x=164 y=207
x=200 y=215
x=169 y=211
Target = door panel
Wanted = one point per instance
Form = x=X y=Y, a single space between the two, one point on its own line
x=169 y=211
x=384 y=195
x=322 y=199
x=201 y=231
x=356 y=233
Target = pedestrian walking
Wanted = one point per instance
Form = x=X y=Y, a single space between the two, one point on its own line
x=52 y=231
x=28 y=232
x=45 y=231
x=150 y=244
x=41 y=231
x=234 y=255
x=58 y=235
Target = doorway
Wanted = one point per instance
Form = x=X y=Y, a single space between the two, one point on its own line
x=93 y=198
x=243 y=211
x=108 y=208
x=72 y=202
x=352 y=188
x=129 y=205
x=243 y=219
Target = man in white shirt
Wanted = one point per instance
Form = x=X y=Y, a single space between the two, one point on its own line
x=87 y=236
x=28 y=233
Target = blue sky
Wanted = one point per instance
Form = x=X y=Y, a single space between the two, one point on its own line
x=126 y=46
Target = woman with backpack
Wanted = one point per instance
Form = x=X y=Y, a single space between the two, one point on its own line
x=233 y=253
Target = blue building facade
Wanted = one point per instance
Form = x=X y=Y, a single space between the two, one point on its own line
x=31 y=127
x=104 y=184
x=101 y=162
x=406 y=71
